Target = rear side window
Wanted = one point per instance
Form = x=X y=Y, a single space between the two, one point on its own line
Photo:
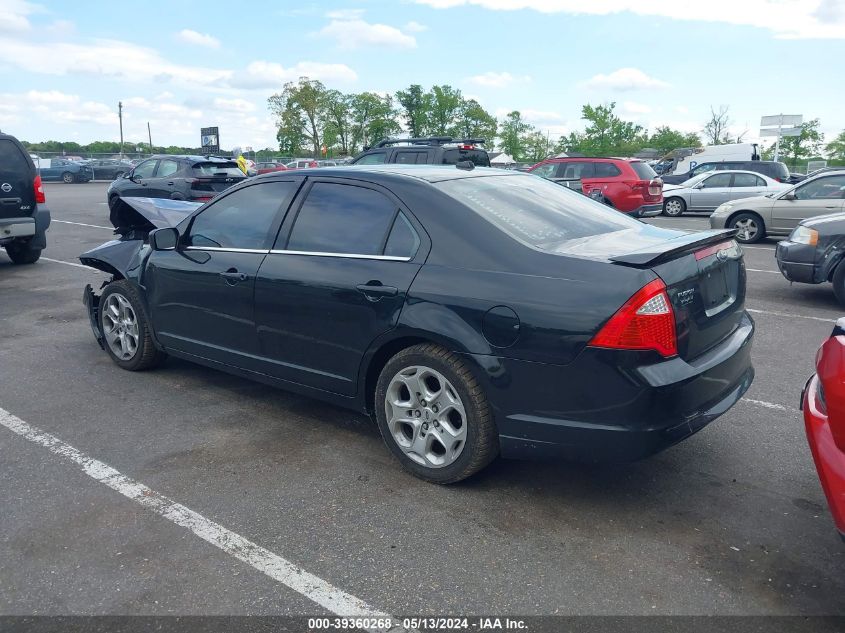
x=781 y=171
x=748 y=180
x=376 y=158
x=13 y=162
x=411 y=158
x=607 y=170
x=644 y=170
x=534 y=211
x=455 y=155
x=243 y=219
x=338 y=218
x=207 y=170
x=403 y=240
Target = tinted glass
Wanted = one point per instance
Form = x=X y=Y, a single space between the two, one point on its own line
x=403 y=240
x=546 y=171
x=455 y=155
x=410 y=158
x=243 y=219
x=718 y=180
x=206 y=170
x=145 y=169
x=167 y=168
x=822 y=188
x=576 y=170
x=703 y=168
x=13 y=163
x=339 y=218
x=534 y=211
x=376 y=158
x=724 y=165
x=643 y=170
x=609 y=170
x=747 y=180
x=781 y=171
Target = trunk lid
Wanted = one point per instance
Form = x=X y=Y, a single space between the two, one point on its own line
x=705 y=279
x=214 y=177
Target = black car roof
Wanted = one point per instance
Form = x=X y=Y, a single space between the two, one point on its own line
x=429 y=173
x=196 y=159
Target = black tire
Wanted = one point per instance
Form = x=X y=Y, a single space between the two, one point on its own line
x=739 y=222
x=146 y=355
x=482 y=441
x=67 y=177
x=839 y=283
x=676 y=208
x=22 y=253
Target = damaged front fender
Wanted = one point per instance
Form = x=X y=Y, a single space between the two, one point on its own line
x=122 y=258
x=92 y=304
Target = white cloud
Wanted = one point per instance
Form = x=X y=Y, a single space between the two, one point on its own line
x=199 y=39
x=263 y=74
x=14 y=15
x=345 y=14
x=352 y=34
x=58 y=106
x=415 y=27
x=623 y=80
x=492 y=79
x=233 y=105
x=788 y=19
x=633 y=107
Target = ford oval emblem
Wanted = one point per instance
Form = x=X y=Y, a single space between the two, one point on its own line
x=6 y=187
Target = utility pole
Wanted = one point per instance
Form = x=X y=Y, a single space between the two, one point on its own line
x=120 y=116
x=150 y=136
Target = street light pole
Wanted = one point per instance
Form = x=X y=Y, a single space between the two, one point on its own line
x=120 y=116
x=150 y=136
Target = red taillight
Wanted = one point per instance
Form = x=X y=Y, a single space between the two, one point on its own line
x=40 y=198
x=712 y=250
x=646 y=321
x=466 y=146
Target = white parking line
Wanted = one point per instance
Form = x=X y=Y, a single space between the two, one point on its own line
x=763 y=403
x=760 y=270
x=59 y=261
x=790 y=316
x=279 y=569
x=759 y=248
x=93 y=226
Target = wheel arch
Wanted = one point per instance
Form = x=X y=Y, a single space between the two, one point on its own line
x=756 y=214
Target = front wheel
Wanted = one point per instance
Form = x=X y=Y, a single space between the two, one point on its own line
x=434 y=415
x=673 y=207
x=749 y=228
x=67 y=177
x=126 y=328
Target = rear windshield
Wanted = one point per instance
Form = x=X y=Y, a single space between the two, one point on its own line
x=456 y=155
x=643 y=170
x=13 y=162
x=218 y=169
x=781 y=171
x=534 y=211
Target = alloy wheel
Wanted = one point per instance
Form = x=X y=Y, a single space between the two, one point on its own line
x=673 y=207
x=120 y=326
x=426 y=417
x=746 y=229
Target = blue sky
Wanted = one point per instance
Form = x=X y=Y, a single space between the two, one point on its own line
x=185 y=65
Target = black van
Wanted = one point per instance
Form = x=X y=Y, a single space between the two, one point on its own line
x=23 y=221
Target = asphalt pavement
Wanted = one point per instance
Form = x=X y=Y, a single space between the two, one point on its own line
x=731 y=521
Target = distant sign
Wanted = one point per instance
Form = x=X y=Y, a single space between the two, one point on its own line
x=784 y=131
x=781 y=119
x=210 y=140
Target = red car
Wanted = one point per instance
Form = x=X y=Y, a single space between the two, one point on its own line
x=630 y=186
x=823 y=402
x=266 y=168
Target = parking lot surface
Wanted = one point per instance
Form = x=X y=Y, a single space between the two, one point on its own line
x=731 y=521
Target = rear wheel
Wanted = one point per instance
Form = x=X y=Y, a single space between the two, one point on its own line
x=674 y=207
x=434 y=415
x=22 y=253
x=67 y=177
x=839 y=283
x=126 y=328
x=749 y=227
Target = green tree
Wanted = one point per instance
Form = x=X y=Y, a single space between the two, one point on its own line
x=836 y=148
x=445 y=104
x=512 y=133
x=535 y=146
x=373 y=118
x=305 y=101
x=473 y=121
x=289 y=133
x=805 y=145
x=339 y=120
x=664 y=139
x=416 y=105
x=606 y=134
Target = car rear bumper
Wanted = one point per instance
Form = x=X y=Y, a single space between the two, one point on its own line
x=829 y=460
x=611 y=406
x=796 y=262
x=647 y=210
x=33 y=229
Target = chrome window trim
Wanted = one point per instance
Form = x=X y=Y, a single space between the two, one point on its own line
x=262 y=251
x=388 y=258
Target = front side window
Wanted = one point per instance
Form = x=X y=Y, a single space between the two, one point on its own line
x=145 y=169
x=376 y=158
x=719 y=180
x=242 y=219
x=338 y=218
x=829 y=187
x=546 y=171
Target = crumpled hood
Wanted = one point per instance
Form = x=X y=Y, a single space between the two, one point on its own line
x=163 y=212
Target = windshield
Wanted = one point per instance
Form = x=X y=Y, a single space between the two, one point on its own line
x=695 y=180
x=536 y=212
x=218 y=169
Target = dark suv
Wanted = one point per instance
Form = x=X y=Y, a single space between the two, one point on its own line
x=192 y=178
x=773 y=169
x=23 y=223
x=434 y=150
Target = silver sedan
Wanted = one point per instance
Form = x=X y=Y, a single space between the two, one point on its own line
x=707 y=191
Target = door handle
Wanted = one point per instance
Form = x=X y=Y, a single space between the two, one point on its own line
x=375 y=290
x=232 y=276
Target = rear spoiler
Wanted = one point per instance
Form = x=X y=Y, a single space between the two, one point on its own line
x=671 y=248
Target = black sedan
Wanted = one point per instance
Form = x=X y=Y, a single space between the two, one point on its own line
x=475 y=312
x=813 y=253
x=109 y=168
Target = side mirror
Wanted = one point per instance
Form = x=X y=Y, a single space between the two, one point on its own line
x=789 y=196
x=164 y=239
x=699 y=186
